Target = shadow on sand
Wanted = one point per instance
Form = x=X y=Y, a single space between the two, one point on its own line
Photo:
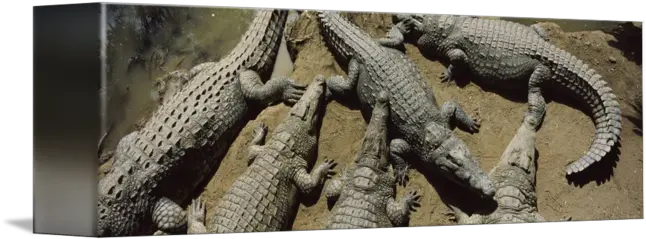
x=629 y=41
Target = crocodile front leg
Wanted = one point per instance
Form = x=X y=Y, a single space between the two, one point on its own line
x=399 y=149
x=256 y=144
x=457 y=59
x=399 y=212
x=453 y=114
x=337 y=86
x=276 y=89
x=306 y=182
x=168 y=216
x=394 y=37
x=196 y=217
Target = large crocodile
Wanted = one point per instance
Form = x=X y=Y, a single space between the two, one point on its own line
x=365 y=194
x=266 y=196
x=509 y=55
x=157 y=167
x=418 y=124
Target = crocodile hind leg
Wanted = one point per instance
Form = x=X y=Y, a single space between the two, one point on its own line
x=457 y=59
x=535 y=99
x=306 y=182
x=196 y=217
x=334 y=186
x=399 y=211
x=333 y=189
x=255 y=145
x=398 y=150
x=453 y=114
x=168 y=216
x=337 y=86
x=276 y=89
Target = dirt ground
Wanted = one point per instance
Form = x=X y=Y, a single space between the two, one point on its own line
x=611 y=190
x=565 y=135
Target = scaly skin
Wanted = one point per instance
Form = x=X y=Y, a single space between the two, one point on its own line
x=418 y=124
x=511 y=55
x=266 y=196
x=515 y=180
x=366 y=192
x=157 y=167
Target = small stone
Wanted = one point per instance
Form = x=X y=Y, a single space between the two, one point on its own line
x=612 y=59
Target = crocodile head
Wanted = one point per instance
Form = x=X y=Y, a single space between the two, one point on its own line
x=374 y=149
x=453 y=158
x=303 y=119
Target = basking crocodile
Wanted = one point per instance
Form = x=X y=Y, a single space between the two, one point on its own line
x=510 y=55
x=366 y=191
x=515 y=180
x=418 y=124
x=157 y=167
x=266 y=196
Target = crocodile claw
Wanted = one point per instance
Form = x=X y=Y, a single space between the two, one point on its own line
x=447 y=75
x=327 y=168
x=293 y=92
x=197 y=211
x=412 y=200
x=401 y=176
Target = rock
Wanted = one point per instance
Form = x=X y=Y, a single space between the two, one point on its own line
x=612 y=59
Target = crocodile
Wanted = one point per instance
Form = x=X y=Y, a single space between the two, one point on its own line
x=515 y=180
x=159 y=166
x=513 y=56
x=420 y=129
x=266 y=196
x=365 y=193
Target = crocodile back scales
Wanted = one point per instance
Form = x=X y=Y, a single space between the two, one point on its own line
x=187 y=136
x=500 y=50
x=411 y=100
x=363 y=200
x=264 y=197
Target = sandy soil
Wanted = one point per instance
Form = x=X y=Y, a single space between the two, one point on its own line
x=565 y=135
x=611 y=190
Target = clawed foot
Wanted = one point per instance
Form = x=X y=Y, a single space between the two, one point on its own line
x=447 y=75
x=293 y=92
x=473 y=127
x=327 y=168
x=401 y=175
x=451 y=215
x=412 y=200
x=196 y=211
x=260 y=132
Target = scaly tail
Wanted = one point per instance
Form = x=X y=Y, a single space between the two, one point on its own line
x=590 y=89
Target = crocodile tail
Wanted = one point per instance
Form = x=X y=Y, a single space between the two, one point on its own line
x=341 y=36
x=588 y=87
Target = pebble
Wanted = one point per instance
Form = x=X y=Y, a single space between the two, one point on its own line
x=612 y=59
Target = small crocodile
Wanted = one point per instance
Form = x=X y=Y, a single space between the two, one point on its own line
x=418 y=124
x=366 y=191
x=511 y=56
x=266 y=196
x=157 y=167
